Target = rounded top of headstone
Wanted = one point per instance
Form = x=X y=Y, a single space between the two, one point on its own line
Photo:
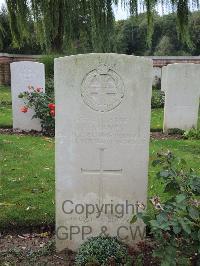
x=105 y=55
x=26 y=62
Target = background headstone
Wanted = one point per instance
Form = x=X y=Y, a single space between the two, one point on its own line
x=182 y=91
x=164 y=78
x=157 y=76
x=24 y=74
x=103 y=106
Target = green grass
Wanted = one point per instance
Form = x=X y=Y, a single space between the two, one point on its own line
x=157 y=119
x=27 y=177
x=26 y=181
x=5 y=107
x=5 y=96
x=5 y=117
x=186 y=149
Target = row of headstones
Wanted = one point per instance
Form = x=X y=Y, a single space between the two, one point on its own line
x=103 y=110
x=180 y=82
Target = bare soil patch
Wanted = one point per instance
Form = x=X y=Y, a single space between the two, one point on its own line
x=23 y=249
x=154 y=135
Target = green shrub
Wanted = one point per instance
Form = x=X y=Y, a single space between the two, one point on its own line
x=192 y=134
x=101 y=250
x=49 y=87
x=44 y=108
x=158 y=99
x=175 y=131
x=48 y=61
x=175 y=225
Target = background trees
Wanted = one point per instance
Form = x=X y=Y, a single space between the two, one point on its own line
x=132 y=33
x=59 y=23
x=81 y=26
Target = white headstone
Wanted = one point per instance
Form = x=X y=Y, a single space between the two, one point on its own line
x=24 y=74
x=182 y=91
x=163 y=78
x=103 y=106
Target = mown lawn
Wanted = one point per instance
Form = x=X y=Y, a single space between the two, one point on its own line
x=26 y=181
x=5 y=107
x=157 y=119
x=5 y=116
x=27 y=178
x=5 y=95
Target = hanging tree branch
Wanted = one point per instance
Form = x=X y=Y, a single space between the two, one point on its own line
x=62 y=21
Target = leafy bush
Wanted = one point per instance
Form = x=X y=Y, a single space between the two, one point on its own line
x=49 y=88
x=176 y=222
x=192 y=134
x=158 y=99
x=174 y=131
x=48 y=61
x=44 y=108
x=101 y=250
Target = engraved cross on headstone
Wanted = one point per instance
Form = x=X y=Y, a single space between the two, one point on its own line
x=101 y=169
x=103 y=87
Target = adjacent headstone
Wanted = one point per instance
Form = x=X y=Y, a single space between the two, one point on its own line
x=157 y=76
x=24 y=74
x=182 y=91
x=164 y=78
x=103 y=106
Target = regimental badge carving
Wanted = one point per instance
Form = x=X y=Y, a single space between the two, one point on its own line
x=102 y=89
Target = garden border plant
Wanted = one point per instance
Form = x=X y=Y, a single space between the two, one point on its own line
x=102 y=250
x=175 y=225
x=192 y=134
x=43 y=105
x=157 y=99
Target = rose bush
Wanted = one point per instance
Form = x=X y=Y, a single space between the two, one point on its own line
x=43 y=105
x=174 y=223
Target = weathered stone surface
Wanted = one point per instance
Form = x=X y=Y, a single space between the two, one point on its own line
x=164 y=78
x=103 y=104
x=182 y=91
x=24 y=74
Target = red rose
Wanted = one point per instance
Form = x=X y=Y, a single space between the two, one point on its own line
x=51 y=106
x=52 y=113
x=24 y=109
x=38 y=89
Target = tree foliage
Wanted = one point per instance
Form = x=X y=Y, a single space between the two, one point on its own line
x=6 y=38
x=59 y=23
x=130 y=36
